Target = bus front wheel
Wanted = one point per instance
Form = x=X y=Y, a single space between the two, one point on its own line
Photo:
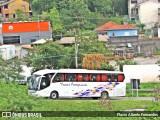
x=54 y=95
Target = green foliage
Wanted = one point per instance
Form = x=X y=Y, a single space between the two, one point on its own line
x=14 y=97
x=118 y=20
x=78 y=14
x=11 y=69
x=54 y=17
x=157 y=52
x=120 y=7
x=55 y=56
x=20 y=15
x=50 y=55
x=108 y=67
x=120 y=63
x=131 y=22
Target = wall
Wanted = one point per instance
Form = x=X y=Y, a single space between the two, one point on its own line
x=17 y=4
x=148 y=13
x=119 y=33
x=28 y=31
x=27 y=37
x=19 y=27
x=146 y=73
x=140 y=46
x=126 y=39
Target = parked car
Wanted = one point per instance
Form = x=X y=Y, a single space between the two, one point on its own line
x=24 y=80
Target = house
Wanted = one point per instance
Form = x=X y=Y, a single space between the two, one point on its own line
x=24 y=32
x=118 y=33
x=132 y=9
x=145 y=11
x=8 y=9
x=67 y=40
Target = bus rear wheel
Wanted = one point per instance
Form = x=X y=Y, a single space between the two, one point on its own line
x=104 y=95
x=54 y=95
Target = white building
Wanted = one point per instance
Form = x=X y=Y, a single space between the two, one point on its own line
x=146 y=11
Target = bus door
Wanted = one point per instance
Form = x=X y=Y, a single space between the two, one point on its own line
x=60 y=84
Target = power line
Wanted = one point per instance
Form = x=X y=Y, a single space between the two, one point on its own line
x=53 y=56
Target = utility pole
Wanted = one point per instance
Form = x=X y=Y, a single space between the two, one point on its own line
x=76 y=51
x=38 y=29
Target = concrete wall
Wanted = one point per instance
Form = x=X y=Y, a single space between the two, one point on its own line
x=27 y=37
x=148 y=13
x=140 y=46
x=126 y=39
x=146 y=73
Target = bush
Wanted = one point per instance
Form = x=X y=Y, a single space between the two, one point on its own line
x=14 y=97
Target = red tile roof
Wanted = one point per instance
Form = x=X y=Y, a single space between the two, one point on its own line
x=114 y=26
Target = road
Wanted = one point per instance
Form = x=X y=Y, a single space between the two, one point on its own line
x=132 y=98
x=112 y=98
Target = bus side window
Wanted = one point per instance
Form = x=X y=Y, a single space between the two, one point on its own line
x=79 y=77
x=98 y=79
x=71 y=77
x=94 y=77
x=103 y=77
x=109 y=78
x=47 y=78
x=84 y=77
x=59 y=77
x=115 y=78
x=44 y=83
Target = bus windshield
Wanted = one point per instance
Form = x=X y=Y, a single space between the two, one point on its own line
x=33 y=82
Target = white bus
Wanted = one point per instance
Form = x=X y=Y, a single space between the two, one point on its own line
x=77 y=83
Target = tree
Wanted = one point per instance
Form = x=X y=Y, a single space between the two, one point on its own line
x=55 y=56
x=55 y=20
x=74 y=14
x=96 y=61
x=50 y=55
x=101 y=6
x=119 y=6
x=11 y=69
x=125 y=62
x=20 y=15
x=93 y=61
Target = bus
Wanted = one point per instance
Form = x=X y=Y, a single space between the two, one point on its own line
x=69 y=83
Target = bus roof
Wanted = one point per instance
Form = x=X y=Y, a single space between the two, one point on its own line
x=45 y=71
x=85 y=71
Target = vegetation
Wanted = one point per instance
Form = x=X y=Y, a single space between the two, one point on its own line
x=121 y=63
x=147 y=92
x=69 y=15
x=23 y=102
x=11 y=69
x=64 y=57
x=14 y=98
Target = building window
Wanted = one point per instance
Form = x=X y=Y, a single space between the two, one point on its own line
x=136 y=10
x=6 y=15
x=133 y=1
x=132 y=19
x=14 y=16
x=13 y=7
x=132 y=11
x=5 y=6
x=113 y=34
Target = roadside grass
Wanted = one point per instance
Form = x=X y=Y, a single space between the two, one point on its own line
x=146 y=90
x=15 y=98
